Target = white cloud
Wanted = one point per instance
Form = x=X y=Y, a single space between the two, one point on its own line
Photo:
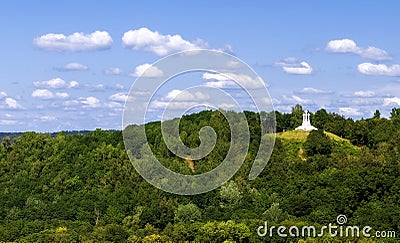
x=46 y=94
x=176 y=105
x=216 y=76
x=114 y=105
x=12 y=103
x=95 y=87
x=366 y=93
x=78 y=41
x=153 y=41
x=73 y=84
x=147 y=71
x=120 y=97
x=48 y=118
x=232 y=64
x=3 y=94
x=227 y=48
x=70 y=103
x=309 y=90
x=7 y=122
x=342 y=46
x=391 y=101
x=184 y=95
x=349 y=111
x=42 y=94
x=119 y=86
x=291 y=66
x=301 y=100
x=73 y=66
x=379 y=69
x=303 y=68
x=350 y=46
x=90 y=102
x=55 y=83
x=62 y=95
x=294 y=99
x=113 y=71
x=226 y=80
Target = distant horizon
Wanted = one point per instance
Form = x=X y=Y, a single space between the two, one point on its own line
x=120 y=129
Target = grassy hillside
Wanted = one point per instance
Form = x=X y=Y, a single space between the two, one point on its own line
x=294 y=140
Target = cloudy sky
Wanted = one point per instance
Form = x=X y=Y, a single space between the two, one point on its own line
x=70 y=65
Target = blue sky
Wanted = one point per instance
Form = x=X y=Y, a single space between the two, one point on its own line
x=343 y=56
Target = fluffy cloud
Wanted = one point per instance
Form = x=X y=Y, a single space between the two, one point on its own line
x=62 y=95
x=56 y=83
x=42 y=94
x=12 y=103
x=114 y=105
x=301 y=100
x=291 y=66
x=147 y=71
x=294 y=99
x=225 y=80
x=303 y=68
x=391 y=101
x=46 y=94
x=120 y=97
x=73 y=66
x=3 y=94
x=73 y=84
x=98 y=40
x=153 y=41
x=379 y=69
x=90 y=102
x=309 y=90
x=349 y=111
x=184 y=95
x=350 y=46
x=113 y=71
x=367 y=93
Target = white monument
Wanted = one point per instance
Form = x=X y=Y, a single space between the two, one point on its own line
x=306 y=125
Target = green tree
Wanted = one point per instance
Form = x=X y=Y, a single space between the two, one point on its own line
x=275 y=214
x=317 y=143
x=222 y=231
x=377 y=114
x=296 y=116
x=188 y=213
x=395 y=113
x=230 y=194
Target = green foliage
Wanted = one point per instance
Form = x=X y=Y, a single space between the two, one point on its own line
x=83 y=188
x=230 y=194
x=275 y=214
x=318 y=143
x=223 y=231
x=296 y=116
x=188 y=213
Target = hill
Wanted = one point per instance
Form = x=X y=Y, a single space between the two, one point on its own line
x=294 y=141
x=83 y=188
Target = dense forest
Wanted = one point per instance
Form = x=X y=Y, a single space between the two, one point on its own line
x=83 y=188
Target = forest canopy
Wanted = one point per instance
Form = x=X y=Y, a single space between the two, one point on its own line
x=83 y=188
